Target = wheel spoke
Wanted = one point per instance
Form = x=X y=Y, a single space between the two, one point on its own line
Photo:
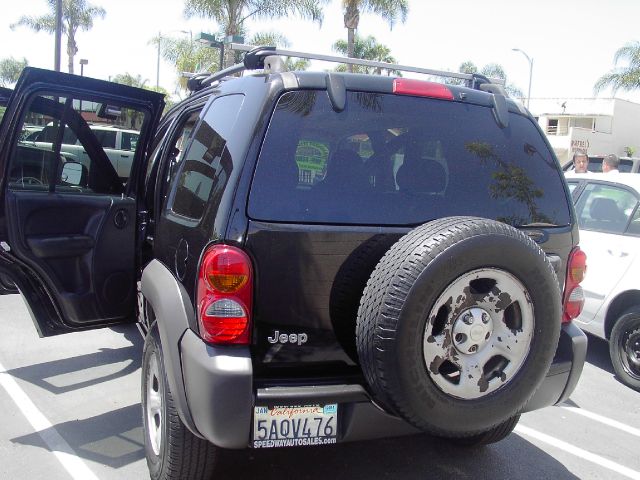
x=510 y=344
x=436 y=350
x=154 y=404
x=154 y=401
x=472 y=379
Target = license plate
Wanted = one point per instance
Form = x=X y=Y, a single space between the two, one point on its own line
x=291 y=426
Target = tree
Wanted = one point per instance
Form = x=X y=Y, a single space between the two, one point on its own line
x=139 y=82
x=390 y=10
x=10 y=70
x=187 y=56
x=367 y=49
x=128 y=79
x=624 y=78
x=231 y=14
x=76 y=14
x=278 y=40
x=491 y=70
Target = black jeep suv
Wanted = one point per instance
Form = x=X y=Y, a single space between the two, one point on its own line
x=315 y=257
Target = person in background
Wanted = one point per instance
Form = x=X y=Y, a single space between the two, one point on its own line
x=610 y=163
x=580 y=161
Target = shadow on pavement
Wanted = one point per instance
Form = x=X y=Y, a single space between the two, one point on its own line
x=598 y=353
x=113 y=438
x=68 y=374
x=414 y=457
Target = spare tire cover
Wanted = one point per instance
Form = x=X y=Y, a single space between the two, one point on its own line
x=458 y=325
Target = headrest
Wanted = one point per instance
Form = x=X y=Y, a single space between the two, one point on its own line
x=605 y=209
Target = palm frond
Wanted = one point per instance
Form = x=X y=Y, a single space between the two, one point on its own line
x=45 y=23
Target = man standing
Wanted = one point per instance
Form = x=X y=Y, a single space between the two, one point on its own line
x=610 y=163
x=580 y=161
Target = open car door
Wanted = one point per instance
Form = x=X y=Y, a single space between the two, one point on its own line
x=68 y=222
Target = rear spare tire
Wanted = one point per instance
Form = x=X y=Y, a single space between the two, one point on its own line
x=458 y=325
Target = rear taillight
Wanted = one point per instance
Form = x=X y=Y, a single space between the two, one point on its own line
x=224 y=297
x=573 y=294
x=420 y=88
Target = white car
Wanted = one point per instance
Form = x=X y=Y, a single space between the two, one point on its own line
x=118 y=143
x=607 y=206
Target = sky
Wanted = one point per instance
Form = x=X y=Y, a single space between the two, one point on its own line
x=572 y=42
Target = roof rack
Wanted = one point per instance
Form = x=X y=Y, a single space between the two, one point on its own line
x=256 y=57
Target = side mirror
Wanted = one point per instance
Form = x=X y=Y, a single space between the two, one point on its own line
x=74 y=173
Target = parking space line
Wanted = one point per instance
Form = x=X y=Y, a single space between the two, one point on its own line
x=58 y=446
x=578 y=452
x=603 y=420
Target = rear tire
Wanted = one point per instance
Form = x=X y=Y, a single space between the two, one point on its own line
x=172 y=451
x=624 y=349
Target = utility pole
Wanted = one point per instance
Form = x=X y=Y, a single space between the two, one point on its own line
x=58 y=35
x=158 y=65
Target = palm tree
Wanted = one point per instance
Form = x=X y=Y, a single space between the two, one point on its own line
x=278 y=40
x=187 y=56
x=367 y=49
x=390 y=10
x=625 y=78
x=231 y=14
x=491 y=70
x=495 y=70
x=76 y=14
x=129 y=79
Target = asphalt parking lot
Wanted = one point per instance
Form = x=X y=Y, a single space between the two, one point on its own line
x=70 y=409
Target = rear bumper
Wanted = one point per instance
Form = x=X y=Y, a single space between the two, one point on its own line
x=565 y=371
x=221 y=396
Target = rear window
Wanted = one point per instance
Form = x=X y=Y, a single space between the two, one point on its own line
x=399 y=160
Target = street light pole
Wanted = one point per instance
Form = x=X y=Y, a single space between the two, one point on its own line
x=58 y=41
x=83 y=62
x=158 y=64
x=530 y=60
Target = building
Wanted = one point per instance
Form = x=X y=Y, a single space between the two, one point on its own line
x=597 y=125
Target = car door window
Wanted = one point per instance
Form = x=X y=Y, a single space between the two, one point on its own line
x=71 y=151
x=605 y=208
x=207 y=163
x=634 y=226
x=107 y=138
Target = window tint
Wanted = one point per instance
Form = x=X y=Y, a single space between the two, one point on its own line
x=399 y=160
x=129 y=140
x=605 y=208
x=107 y=138
x=207 y=163
x=64 y=150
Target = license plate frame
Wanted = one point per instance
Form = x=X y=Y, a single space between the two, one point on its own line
x=294 y=425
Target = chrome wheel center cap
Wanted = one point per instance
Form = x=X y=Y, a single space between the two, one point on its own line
x=472 y=330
